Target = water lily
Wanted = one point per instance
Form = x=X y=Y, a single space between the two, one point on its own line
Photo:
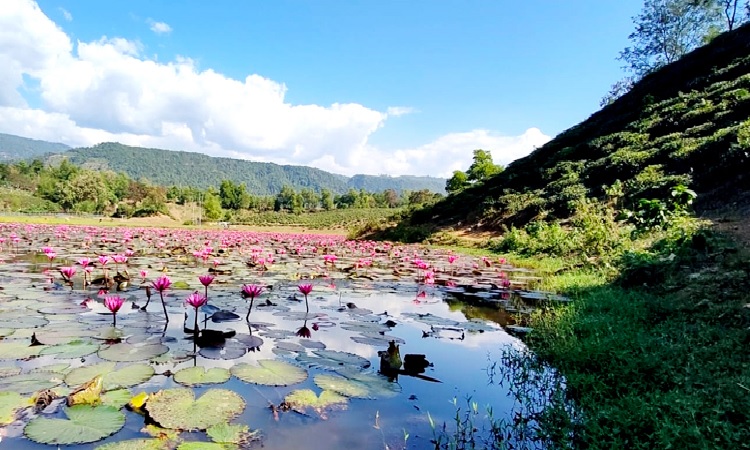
x=68 y=272
x=196 y=301
x=306 y=289
x=252 y=291
x=113 y=304
x=161 y=284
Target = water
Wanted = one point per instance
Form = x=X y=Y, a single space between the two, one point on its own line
x=460 y=351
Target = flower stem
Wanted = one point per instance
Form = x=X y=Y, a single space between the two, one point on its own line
x=164 y=305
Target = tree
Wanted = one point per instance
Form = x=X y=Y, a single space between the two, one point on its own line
x=482 y=167
x=457 y=183
x=326 y=200
x=212 y=206
x=665 y=30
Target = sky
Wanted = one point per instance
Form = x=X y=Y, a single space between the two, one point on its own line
x=348 y=86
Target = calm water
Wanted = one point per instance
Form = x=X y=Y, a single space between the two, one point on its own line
x=459 y=351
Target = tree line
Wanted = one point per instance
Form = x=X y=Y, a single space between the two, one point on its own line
x=70 y=188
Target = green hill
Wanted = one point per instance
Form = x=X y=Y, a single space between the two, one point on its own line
x=17 y=147
x=165 y=167
x=685 y=124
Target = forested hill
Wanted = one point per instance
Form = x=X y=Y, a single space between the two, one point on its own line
x=17 y=147
x=174 y=168
x=686 y=124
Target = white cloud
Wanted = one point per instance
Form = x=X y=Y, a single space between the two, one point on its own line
x=66 y=14
x=107 y=90
x=396 y=111
x=159 y=27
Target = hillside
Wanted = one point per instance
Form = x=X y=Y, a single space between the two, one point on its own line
x=17 y=147
x=685 y=124
x=165 y=167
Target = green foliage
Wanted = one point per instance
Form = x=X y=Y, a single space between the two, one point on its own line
x=457 y=183
x=482 y=168
x=16 y=147
x=170 y=168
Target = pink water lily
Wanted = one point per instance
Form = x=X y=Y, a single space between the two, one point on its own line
x=206 y=280
x=68 y=272
x=306 y=289
x=252 y=291
x=113 y=304
x=161 y=284
x=195 y=300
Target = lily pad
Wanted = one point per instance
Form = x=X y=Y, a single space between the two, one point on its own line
x=191 y=376
x=178 y=409
x=30 y=382
x=18 y=350
x=358 y=385
x=270 y=372
x=124 y=352
x=334 y=360
x=117 y=398
x=303 y=399
x=84 y=424
x=125 y=377
x=73 y=350
x=136 y=444
x=206 y=446
x=10 y=402
x=225 y=433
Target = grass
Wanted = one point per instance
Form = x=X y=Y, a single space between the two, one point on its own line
x=664 y=366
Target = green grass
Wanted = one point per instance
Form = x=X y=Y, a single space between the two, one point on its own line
x=660 y=367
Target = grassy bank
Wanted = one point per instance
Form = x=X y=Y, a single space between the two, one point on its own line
x=656 y=356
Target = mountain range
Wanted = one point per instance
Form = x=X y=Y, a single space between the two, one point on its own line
x=179 y=168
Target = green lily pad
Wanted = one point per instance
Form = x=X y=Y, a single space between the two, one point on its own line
x=18 y=350
x=84 y=424
x=226 y=433
x=206 y=446
x=73 y=350
x=178 y=409
x=125 y=377
x=27 y=383
x=117 y=398
x=303 y=399
x=180 y=285
x=59 y=368
x=137 y=444
x=8 y=371
x=270 y=372
x=10 y=402
x=358 y=385
x=333 y=359
x=124 y=352
x=191 y=376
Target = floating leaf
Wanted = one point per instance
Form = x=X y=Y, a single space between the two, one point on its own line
x=117 y=398
x=84 y=424
x=178 y=408
x=357 y=384
x=10 y=402
x=225 y=433
x=191 y=376
x=137 y=444
x=333 y=360
x=88 y=394
x=8 y=371
x=124 y=352
x=73 y=350
x=125 y=377
x=18 y=350
x=138 y=401
x=302 y=399
x=270 y=372
x=30 y=382
x=206 y=446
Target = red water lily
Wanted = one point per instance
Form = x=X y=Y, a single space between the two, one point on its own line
x=252 y=291
x=195 y=300
x=161 y=284
x=306 y=289
x=113 y=304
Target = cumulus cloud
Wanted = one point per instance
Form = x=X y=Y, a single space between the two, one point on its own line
x=66 y=14
x=108 y=90
x=159 y=27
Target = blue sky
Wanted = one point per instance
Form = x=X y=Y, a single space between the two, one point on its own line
x=423 y=82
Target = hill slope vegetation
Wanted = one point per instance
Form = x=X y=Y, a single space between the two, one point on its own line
x=683 y=125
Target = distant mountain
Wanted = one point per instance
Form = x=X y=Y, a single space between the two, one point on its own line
x=17 y=147
x=166 y=167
